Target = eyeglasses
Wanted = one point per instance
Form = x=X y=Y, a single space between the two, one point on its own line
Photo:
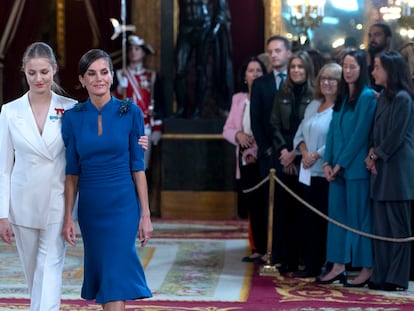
x=330 y=80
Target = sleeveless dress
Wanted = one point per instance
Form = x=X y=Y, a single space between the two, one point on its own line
x=109 y=208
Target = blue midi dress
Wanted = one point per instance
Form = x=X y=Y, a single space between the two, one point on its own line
x=109 y=208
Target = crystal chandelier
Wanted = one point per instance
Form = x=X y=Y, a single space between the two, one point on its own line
x=306 y=14
x=407 y=10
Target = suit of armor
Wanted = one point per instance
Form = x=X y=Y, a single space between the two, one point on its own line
x=201 y=22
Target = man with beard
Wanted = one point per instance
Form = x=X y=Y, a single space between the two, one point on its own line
x=379 y=40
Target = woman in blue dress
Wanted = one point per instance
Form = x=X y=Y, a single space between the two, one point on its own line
x=105 y=164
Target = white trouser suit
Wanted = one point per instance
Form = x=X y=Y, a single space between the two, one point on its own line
x=32 y=177
x=42 y=253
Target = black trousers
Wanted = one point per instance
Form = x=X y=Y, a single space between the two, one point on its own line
x=392 y=260
x=254 y=203
x=288 y=230
x=315 y=227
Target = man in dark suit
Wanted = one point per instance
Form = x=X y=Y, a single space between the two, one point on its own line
x=264 y=90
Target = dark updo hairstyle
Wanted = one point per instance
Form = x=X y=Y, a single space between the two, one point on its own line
x=398 y=75
x=242 y=71
x=91 y=56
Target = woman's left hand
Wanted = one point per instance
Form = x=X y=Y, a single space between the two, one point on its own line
x=145 y=229
x=287 y=157
x=290 y=169
x=69 y=231
x=308 y=159
x=370 y=164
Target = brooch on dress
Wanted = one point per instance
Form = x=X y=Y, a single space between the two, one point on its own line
x=79 y=107
x=124 y=108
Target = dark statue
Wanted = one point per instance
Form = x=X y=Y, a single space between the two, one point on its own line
x=204 y=27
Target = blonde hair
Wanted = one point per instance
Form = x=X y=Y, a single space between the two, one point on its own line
x=332 y=69
x=42 y=50
x=39 y=50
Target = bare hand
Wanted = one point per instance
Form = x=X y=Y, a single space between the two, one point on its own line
x=328 y=172
x=245 y=140
x=287 y=157
x=290 y=169
x=6 y=232
x=145 y=230
x=143 y=142
x=370 y=164
x=308 y=159
x=69 y=231
x=336 y=170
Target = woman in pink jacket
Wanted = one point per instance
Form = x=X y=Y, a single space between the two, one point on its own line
x=237 y=131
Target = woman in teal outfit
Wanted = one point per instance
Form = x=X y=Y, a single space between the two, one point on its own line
x=346 y=148
x=106 y=165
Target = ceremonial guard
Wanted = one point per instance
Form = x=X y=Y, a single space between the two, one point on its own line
x=141 y=85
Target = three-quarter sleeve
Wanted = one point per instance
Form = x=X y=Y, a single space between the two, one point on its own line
x=68 y=136
x=136 y=151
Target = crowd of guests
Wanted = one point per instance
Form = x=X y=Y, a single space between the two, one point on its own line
x=340 y=134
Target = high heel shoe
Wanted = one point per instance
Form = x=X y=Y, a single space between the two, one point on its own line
x=341 y=277
x=362 y=284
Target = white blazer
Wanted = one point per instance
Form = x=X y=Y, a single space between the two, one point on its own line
x=32 y=166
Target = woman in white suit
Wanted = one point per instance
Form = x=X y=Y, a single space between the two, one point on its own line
x=32 y=162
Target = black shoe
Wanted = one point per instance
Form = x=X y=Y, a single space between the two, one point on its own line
x=374 y=286
x=391 y=287
x=259 y=261
x=251 y=259
x=283 y=269
x=248 y=259
x=304 y=274
x=341 y=277
x=366 y=282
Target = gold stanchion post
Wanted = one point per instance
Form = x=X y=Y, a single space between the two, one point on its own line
x=268 y=268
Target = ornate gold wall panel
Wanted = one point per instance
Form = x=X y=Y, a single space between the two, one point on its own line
x=146 y=16
x=60 y=32
x=273 y=19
